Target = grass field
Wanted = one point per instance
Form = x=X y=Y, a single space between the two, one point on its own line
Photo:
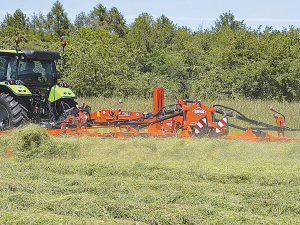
x=71 y=180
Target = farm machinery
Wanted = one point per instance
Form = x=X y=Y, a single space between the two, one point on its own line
x=186 y=118
x=29 y=92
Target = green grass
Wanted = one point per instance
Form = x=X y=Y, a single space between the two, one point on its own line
x=154 y=181
x=85 y=180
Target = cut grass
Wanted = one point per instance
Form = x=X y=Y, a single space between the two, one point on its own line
x=155 y=181
x=71 y=180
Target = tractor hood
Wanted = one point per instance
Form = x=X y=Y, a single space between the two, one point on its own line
x=40 y=55
x=57 y=92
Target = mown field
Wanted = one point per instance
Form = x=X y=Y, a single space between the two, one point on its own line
x=85 y=180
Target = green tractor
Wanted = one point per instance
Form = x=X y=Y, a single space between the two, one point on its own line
x=29 y=91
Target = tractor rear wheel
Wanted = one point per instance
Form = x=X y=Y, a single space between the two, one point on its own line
x=12 y=113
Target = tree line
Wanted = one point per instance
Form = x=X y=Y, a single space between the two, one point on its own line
x=105 y=56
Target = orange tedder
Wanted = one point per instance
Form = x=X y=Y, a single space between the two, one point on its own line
x=186 y=118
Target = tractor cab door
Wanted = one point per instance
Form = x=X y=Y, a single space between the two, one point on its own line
x=7 y=67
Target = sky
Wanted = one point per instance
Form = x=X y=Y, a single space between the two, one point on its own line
x=194 y=14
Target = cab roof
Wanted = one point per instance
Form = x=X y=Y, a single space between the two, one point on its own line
x=35 y=54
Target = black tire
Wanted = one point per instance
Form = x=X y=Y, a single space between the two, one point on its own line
x=12 y=113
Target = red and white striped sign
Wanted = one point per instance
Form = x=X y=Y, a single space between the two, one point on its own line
x=221 y=124
x=200 y=124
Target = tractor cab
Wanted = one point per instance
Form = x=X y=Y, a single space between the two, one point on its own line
x=30 y=67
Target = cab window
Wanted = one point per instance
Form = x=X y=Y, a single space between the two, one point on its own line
x=3 y=67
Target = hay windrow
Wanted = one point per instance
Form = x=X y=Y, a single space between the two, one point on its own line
x=33 y=141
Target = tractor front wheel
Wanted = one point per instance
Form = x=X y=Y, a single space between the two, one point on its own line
x=12 y=113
